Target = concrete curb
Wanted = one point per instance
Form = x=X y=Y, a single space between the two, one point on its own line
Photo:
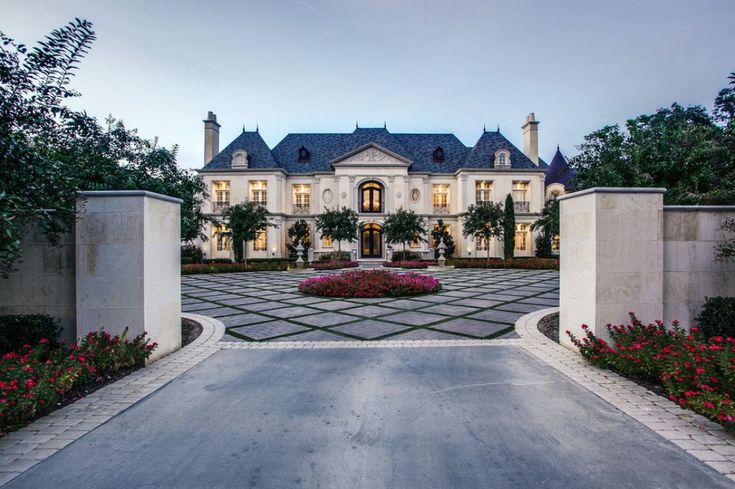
x=700 y=437
x=22 y=449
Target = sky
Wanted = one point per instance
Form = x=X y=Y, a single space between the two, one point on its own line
x=417 y=65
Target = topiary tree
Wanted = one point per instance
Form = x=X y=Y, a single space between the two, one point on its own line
x=403 y=226
x=548 y=224
x=483 y=220
x=245 y=222
x=441 y=231
x=338 y=225
x=299 y=233
x=509 y=228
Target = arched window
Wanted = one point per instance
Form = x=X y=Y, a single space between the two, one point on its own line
x=438 y=155
x=304 y=155
x=240 y=159
x=371 y=197
x=502 y=159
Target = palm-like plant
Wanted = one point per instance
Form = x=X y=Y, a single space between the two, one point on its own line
x=245 y=222
x=483 y=221
x=404 y=226
x=548 y=224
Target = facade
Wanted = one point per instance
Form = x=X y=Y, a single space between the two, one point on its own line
x=375 y=172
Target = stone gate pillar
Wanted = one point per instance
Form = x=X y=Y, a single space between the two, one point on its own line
x=128 y=266
x=611 y=259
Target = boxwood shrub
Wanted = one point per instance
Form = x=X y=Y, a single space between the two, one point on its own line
x=27 y=329
x=717 y=317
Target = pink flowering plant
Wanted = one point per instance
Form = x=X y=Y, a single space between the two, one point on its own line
x=370 y=283
x=697 y=373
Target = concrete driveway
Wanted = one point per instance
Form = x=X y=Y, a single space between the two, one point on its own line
x=443 y=417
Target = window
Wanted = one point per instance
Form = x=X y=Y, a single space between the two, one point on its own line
x=415 y=243
x=240 y=159
x=301 y=198
x=521 y=237
x=304 y=155
x=438 y=155
x=261 y=241
x=520 y=196
x=501 y=158
x=441 y=198
x=222 y=242
x=259 y=192
x=483 y=190
x=221 y=192
x=555 y=244
x=371 y=197
x=326 y=242
x=482 y=244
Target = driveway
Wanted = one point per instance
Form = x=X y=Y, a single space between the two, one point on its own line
x=443 y=417
x=473 y=303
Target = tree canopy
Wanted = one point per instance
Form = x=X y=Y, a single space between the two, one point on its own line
x=245 y=222
x=439 y=233
x=338 y=225
x=548 y=224
x=299 y=233
x=687 y=150
x=48 y=152
x=404 y=226
x=484 y=221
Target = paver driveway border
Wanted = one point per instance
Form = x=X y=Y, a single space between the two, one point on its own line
x=697 y=435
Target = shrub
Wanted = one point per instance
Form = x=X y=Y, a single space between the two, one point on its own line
x=717 y=317
x=334 y=265
x=525 y=263
x=229 y=267
x=34 y=379
x=216 y=260
x=336 y=256
x=19 y=330
x=405 y=256
x=696 y=372
x=411 y=264
x=191 y=253
x=370 y=283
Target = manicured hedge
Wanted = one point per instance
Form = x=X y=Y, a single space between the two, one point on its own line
x=229 y=267
x=525 y=263
x=717 y=317
x=409 y=264
x=27 y=329
x=334 y=264
x=696 y=372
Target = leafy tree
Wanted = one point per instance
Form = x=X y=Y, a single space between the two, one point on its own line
x=299 y=233
x=338 y=225
x=48 y=152
x=404 y=226
x=548 y=224
x=484 y=221
x=687 y=150
x=442 y=232
x=509 y=228
x=245 y=222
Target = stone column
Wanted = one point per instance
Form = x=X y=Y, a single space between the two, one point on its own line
x=128 y=266
x=611 y=260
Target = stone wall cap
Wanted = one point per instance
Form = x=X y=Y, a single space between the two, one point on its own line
x=700 y=208
x=130 y=193
x=614 y=190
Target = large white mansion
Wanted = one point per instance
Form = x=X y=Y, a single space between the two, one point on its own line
x=375 y=172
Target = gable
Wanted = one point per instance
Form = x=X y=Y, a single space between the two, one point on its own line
x=371 y=154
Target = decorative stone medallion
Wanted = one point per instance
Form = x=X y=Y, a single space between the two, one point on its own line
x=415 y=195
x=327 y=196
x=398 y=195
x=344 y=195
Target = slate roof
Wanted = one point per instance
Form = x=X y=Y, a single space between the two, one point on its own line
x=559 y=171
x=325 y=147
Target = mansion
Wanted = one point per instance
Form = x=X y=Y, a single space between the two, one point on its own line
x=375 y=172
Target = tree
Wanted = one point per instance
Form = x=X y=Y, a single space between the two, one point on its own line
x=483 y=221
x=687 y=150
x=404 y=226
x=299 y=233
x=509 y=228
x=439 y=233
x=548 y=224
x=48 y=152
x=338 y=225
x=245 y=222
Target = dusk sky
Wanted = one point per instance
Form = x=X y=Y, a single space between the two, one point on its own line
x=419 y=65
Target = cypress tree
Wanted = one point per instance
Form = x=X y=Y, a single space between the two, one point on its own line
x=509 y=228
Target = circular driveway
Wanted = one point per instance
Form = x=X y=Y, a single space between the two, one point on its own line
x=473 y=303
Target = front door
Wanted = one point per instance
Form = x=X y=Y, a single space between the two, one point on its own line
x=371 y=242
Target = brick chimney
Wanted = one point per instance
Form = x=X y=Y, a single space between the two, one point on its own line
x=530 y=138
x=211 y=137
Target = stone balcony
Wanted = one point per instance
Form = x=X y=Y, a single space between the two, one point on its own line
x=220 y=207
x=522 y=206
x=301 y=209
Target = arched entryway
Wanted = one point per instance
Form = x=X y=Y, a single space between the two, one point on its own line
x=371 y=241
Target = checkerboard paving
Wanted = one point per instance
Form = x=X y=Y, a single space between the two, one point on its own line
x=473 y=304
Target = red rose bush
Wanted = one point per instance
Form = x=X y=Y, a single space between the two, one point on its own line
x=370 y=283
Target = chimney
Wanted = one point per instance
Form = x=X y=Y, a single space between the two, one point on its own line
x=211 y=137
x=530 y=138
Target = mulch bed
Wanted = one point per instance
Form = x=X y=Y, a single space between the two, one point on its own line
x=190 y=330
x=549 y=326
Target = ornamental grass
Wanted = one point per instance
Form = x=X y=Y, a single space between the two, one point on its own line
x=696 y=372
x=370 y=283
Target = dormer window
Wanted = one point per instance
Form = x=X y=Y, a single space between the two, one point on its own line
x=304 y=155
x=501 y=158
x=438 y=155
x=240 y=159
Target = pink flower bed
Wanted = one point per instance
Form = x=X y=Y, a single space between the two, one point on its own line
x=334 y=265
x=370 y=283
x=412 y=264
